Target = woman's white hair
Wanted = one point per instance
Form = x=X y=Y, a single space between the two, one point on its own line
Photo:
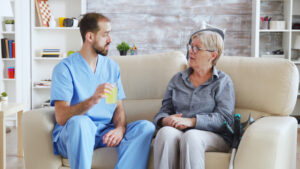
x=211 y=41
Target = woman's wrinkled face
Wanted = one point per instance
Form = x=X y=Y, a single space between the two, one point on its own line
x=199 y=56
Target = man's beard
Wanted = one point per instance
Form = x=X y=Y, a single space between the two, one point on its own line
x=101 y=50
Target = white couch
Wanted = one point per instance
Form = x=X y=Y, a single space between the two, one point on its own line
x=266 y=87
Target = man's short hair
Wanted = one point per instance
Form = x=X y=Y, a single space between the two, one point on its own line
x=89 y=23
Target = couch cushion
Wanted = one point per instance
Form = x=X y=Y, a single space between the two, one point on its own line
x=106 y=158
x=216 y=160
x=103 y=158
x=262 y=84
x=141 y=109
x=147 y=76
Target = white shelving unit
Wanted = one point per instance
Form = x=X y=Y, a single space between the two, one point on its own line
x=63 y=38
x=57 y=28
x=8 y=85
x=47 y=59
x=17 y=88
x=8 y=33
x=264 y=41
x=42 y=87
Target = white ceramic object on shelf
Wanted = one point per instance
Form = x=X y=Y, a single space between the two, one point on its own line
x=277 y=25
x=273 y=56
x=4 y=99
x=9 y=27
x=52 y=23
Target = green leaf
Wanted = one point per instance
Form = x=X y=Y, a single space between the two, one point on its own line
x=4 y=94
x=123 y=46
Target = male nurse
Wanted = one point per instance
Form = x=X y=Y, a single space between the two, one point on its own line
x=85 y=122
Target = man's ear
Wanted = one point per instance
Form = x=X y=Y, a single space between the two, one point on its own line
x=89 y=36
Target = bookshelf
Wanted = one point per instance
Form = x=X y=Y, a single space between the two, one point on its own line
x=266 y=40
x=8 y=84
x=8 y=33
x=17 y=88
x=62 y=38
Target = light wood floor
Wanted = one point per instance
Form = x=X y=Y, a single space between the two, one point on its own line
x=13 y=162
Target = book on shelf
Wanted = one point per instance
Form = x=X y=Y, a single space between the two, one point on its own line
x=13 y=49
x=8 y=48
x=51 y=50
x=43 y=83
x=50 y=53
x=3 y=48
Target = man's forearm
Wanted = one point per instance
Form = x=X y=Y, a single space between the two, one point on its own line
x=64 y=111
x=119 y=118
x=82 y=107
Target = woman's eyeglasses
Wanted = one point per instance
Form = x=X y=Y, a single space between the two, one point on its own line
x=196 y=49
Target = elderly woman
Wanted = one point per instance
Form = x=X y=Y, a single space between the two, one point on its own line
x=197 y=102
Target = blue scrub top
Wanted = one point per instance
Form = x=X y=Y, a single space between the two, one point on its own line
x=74 y=81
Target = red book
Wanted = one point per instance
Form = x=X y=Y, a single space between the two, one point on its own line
x=13 y=50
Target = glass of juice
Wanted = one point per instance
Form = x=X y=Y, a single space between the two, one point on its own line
x=112 y=98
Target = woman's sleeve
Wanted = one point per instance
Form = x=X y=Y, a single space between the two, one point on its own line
x=223 y=111
x=167 y=105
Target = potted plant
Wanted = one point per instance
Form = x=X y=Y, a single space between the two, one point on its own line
x=9 y=25
x=4 y=97
x=123 y=48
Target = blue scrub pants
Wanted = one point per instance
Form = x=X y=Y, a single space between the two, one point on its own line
x=80 y=136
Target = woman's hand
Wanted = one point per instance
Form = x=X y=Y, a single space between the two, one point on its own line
x=183 y=123
x=177 y=121
x=168 y=121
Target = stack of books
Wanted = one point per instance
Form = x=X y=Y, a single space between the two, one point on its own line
x=50 y=53
x=43 y=83
x=8 y=48
x=46 y=104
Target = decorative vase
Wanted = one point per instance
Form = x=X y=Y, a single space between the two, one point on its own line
x=9 y=27
x=52 y=23
x=4 y=99
x=123 y=53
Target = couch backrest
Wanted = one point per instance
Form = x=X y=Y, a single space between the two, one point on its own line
x=145 y=79
x=262 y=86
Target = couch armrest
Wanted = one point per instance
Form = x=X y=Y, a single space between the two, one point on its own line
x=37 y=128
x=270 y=142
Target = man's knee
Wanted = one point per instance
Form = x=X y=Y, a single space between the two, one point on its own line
x=80 y=122
x=146 y=126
